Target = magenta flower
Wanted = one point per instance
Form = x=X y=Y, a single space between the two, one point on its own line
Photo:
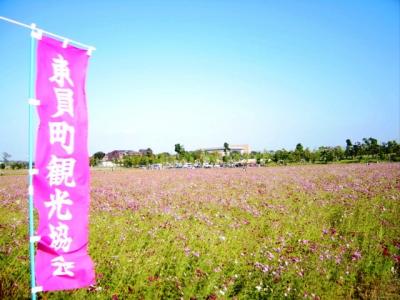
x=356 y=255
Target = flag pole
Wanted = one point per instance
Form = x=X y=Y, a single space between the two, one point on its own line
x=88 y=47
x=31 y=173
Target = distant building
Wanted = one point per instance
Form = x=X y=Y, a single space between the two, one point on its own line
x=242 y=149
x=107 y=164
x=250 y=161
x=119 y=154
x=147 y=151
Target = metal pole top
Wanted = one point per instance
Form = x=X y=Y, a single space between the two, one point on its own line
x=36 y=29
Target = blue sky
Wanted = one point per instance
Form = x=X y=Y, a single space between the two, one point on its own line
x=201 y=73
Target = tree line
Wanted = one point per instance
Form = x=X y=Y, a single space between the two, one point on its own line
x=368 y=150
x=15 y=165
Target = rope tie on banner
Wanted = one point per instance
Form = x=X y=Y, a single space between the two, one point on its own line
x=33 y=172
x=33 y=102
x=65 y=43
x=36 y=32
x=37 y=289
x=90 y=50
x=34 y=238
x=30 y=190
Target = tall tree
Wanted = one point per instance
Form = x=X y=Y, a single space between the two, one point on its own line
x=299 y=152
x=226 y=147
x=373 y=146
x=391 y=147
x=179 y=149
x=149 y=152
x=5 y=156
x=299 y=148
x=99 y=155
x=327 y=154
x=357 y=149
x=349 y=148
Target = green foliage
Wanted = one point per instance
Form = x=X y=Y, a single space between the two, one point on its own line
x=179 y=149
x=367 y=151
x=96 y=158
x=149 y=152
x=93 y=161
x=99 y=155
x=17 y=165
x=226 y=148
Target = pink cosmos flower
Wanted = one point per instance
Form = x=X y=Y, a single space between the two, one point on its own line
x=356 y=255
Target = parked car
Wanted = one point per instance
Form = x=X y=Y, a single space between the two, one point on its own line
x=156 y=166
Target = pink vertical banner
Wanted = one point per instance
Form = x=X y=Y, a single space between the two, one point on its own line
x=61 y=187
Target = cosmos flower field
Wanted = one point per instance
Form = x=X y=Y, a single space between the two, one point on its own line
x=294 y=232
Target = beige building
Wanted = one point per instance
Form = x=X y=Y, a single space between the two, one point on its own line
x=242 y=149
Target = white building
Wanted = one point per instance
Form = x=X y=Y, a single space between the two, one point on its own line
x=242 y=149
x=107 y=164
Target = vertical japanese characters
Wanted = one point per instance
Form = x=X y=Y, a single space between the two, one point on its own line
x=61 y=170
